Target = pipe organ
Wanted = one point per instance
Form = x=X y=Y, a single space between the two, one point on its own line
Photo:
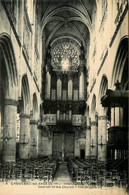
x=64 y=98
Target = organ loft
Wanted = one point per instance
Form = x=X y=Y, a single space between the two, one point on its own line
x=64 y=91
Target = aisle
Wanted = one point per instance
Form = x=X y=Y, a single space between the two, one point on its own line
x=62 y=176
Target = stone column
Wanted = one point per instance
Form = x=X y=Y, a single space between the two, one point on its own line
x=48 y=85
x=88 y=139
x=0 y=120
x=81 y=84
x=58 y=113
x=116 y=116
x=59 y=86
x=94 y=138
x=70 y=87
x=39 y=141
x=64 y=116
x=1 y=130
x=70 y=115
x=24 y=144
x=102 y=138
x=33 y=139
x=77 y=147
x=112 y=117
x=63 y=149
x=9 y=132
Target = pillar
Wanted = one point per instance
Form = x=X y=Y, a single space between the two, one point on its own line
x=9 y=132
x=70 y=115
x=1 y=130
x=117 y=116
x=24 y=144
x=77 y=145
x=64 y=116
x=94 y=138
x=88 y=139
x=58 y=113
x=48 y=85
x=70 y=87
x=102 y=138
x=81 y=84
x=39 y=141
x=0 y=120
x=33 y=139
x=63 y=148
x=59 y=87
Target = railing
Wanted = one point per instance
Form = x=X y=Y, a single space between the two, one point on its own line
x=51 y=119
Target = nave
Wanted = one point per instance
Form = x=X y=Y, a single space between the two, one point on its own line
x=62 y=175
x=64 y=91
x=75 y=171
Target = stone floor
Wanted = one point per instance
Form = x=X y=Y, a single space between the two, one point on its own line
x=62 y=175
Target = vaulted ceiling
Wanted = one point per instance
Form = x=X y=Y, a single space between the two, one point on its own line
x=67 y=18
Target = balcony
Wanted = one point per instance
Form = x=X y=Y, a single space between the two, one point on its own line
x=51 y=119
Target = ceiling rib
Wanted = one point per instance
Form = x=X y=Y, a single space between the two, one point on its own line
x=85 y=20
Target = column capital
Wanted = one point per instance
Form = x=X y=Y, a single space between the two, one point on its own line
x=102 y=117
x=10 y=102
x=23 y=115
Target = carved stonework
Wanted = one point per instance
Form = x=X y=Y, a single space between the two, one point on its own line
x=10 y=102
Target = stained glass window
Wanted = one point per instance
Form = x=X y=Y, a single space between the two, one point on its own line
x=65 y=56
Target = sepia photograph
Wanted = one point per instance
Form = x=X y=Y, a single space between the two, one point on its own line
x=64 y=90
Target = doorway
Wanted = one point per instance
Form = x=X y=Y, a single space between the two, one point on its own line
x=63 y=145
x=82 y=154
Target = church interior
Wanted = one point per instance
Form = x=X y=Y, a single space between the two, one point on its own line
x=64 y=91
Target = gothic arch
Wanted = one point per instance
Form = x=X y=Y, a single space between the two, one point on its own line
x=102 y=91
x=121 y=62
x=103 y=86
x=87 y=115
x=85 y=19
x=8 y=69
x=70 y=36
x=25 y=95
x=8 y=98
x=35 y=106
x=93 y=105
